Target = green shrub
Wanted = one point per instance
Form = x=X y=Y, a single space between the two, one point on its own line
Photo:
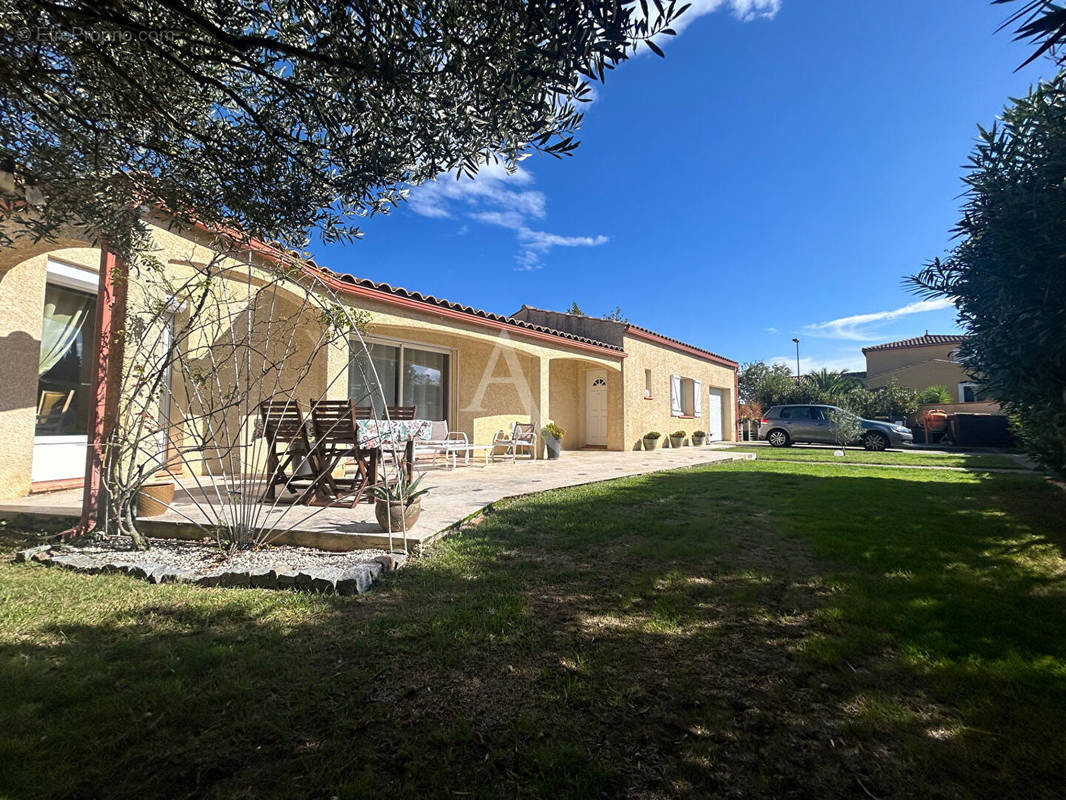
x=1005 y=274
x=845 y=426
x=934 y=394
x=552 y=430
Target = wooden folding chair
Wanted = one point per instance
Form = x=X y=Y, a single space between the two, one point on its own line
x=401 y=412
x=337 y=438
x=288 y=450
x=51 y=408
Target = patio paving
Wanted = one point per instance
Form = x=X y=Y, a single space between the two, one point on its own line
x=456 y=495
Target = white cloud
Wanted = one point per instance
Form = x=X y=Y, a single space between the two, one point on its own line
x=496 y=197
x=447 y=196
x=743 y=10
x=771 y=330
x=541 y=240
x=865 y=327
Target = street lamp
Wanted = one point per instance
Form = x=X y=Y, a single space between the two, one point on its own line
x=797 y=341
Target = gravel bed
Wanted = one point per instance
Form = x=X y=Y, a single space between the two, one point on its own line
x=201 y=563
x=204 y=556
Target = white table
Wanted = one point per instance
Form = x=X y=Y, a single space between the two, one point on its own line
x=454 y=450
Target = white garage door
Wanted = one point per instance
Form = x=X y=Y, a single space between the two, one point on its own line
x=714 y=416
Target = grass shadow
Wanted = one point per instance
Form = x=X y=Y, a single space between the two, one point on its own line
x=756 y=629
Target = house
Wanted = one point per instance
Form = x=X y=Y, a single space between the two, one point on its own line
x=606 y=383
x=666 y=385
x=921 y=362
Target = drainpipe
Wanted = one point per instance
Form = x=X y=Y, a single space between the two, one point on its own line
x=106 y=382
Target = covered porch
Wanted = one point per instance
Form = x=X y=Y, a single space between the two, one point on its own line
x=482 y=378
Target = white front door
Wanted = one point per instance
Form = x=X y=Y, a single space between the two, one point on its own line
x=714 y=416
x=596 y=407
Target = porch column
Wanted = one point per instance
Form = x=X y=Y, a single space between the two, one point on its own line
x=106 y=383
x=542 y=413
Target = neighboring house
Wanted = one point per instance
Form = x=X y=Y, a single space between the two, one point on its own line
x=921 y=362
x=478 y=371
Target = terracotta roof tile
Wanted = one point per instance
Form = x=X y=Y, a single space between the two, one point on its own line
x=918 y=341
x=400 y=291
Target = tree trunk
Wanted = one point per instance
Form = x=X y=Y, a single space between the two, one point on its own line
x=128 y=525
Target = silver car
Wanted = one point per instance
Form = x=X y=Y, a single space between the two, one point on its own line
x=781 y=426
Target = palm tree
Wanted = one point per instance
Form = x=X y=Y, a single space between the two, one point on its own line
x=831 y=384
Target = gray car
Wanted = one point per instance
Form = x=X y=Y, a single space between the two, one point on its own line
x=783 y=425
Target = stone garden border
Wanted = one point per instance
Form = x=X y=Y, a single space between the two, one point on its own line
x=356 y=579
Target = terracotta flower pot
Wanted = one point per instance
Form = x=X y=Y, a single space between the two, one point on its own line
x=401 y=518
x=154 y=498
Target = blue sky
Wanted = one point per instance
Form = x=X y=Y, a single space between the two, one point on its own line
x=775 y=176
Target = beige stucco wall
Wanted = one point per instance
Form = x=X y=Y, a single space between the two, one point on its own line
x=22 y=302
x=916 y=368
x=643 y=415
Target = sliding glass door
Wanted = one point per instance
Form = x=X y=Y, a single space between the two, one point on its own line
x=64 y=374
x=400 y=375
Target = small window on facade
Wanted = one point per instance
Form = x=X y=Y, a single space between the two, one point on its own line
x=647 y=384
x=684 y=396
x=969 y=393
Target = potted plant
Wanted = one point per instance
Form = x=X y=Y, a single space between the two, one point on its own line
x=677 y=438
x=651 y=439
x=398 y=507
x=154 y=497
x=553 y=439
x=698 y=437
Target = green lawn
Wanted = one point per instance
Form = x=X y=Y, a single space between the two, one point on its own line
x=754 y=629
x=908 y=458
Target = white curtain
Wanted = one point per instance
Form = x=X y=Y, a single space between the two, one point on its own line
x=64 y=314
x=675 y=395
x=697 y=399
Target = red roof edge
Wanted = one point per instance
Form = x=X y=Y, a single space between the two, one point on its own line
x=352 y=286
x=688 y=349
x=928 y=340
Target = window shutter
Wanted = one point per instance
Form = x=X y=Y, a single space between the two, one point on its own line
x=675 y=395
x=697 y=399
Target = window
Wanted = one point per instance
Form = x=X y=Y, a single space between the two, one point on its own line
x=405 y=375
x=65 y=366
x=969 y=392
x=685 y=398
x=796 y=412
x=425 y=382
x=647 y=384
